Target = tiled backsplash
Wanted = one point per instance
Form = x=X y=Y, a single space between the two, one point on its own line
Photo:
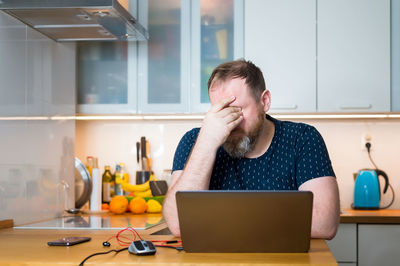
x=114 y=141
x=37 y=150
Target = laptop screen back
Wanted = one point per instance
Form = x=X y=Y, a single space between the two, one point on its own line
x=245 y=221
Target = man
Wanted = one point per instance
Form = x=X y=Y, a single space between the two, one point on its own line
x=240 y=147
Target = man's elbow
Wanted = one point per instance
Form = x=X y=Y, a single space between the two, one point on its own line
x=331 y=232
x=326 y=231
x=171 y=220
x=175 y=231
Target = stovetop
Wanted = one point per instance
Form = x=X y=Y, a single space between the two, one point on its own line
x=92 y=222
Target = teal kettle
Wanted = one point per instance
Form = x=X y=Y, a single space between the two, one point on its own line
x=367 y=194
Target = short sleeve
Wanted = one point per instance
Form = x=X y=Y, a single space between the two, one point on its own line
x=184 y=148
x=312 y=156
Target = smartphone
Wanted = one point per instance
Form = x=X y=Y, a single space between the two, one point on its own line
x=68 y=241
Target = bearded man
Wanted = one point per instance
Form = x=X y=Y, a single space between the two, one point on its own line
x=240 y=147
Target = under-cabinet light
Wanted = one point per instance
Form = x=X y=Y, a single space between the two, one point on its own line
x=195 y=117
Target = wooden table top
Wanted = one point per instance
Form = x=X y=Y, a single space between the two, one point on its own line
x=29 y=247
x=370 y=216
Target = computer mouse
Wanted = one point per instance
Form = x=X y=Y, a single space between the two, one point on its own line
x=142 y=247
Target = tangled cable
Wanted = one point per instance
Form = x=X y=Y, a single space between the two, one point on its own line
x=126 y=241
x=119 y=235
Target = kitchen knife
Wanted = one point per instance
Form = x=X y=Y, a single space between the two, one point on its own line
x=143 y=152
x=148 y=161
x=137 y=151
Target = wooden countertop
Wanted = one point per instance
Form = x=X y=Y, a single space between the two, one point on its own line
x=370 y=216
x=29 y=247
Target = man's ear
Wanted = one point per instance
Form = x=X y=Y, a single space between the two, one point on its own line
x=266 y=100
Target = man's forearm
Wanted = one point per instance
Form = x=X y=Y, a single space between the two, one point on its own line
x=217 y=125
x=195 y=176
x=326 y=206
x=198 y=168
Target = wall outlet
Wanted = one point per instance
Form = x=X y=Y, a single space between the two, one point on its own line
x=367 y=137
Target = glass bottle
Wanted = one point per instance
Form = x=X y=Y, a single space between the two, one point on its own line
x=106 y=180
x=124 y=175
x=89 y=164
x=118 y=181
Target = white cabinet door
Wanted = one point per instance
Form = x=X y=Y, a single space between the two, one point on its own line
x=378 y=244
x=344 y=245
x=107 y=76
x=353 y=55
x=106 y=83
x=280 y=38
x=395 y=67
x=163 y=76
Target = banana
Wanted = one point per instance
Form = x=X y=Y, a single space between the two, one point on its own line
x=135 y=188
x=144 y=194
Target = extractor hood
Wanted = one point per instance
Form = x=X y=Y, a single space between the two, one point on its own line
x=77 y=20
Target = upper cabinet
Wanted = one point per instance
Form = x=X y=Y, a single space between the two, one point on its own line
x=102 y=78
x=395 y=49
x=188 y=39
x=353 y=73
x=316 y=56
x=216 y=37
x=163 y=64
x=325 y=55
x=107 y=75
x=280 y=38
x=169 y=72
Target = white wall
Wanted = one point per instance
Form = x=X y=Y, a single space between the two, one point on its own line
x=37 y=79
x=114 y=141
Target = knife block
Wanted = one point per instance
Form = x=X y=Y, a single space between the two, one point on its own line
x=142 y=177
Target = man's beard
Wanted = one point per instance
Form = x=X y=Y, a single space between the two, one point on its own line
x=238 y=146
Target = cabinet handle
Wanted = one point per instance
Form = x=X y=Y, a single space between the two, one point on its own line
x=282 y=107
x=361 y=106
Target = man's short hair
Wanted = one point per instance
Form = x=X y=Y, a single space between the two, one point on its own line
x=239 y=69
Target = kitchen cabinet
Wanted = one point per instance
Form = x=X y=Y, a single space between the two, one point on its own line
x=344 y=245
x=353 y=49
x=174 y=65
x=169 y=72
x=102 y=77
x=163 y=64
x=371 y=240
x=316 y=56
x=395 y=62
x=107 y=75
x=280 y=37
x=216 y=37
x=378 y=244
x=324 y=56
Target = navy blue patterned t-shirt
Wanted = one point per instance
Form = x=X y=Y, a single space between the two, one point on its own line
x=297 y=154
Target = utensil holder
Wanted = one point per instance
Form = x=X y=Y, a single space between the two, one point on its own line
x=142 y=177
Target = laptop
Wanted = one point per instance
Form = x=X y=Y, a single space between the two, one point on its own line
x=245 y=221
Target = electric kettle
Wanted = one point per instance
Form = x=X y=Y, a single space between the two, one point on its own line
x=367 y=193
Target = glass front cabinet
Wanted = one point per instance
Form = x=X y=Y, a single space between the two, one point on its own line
x=169 y=72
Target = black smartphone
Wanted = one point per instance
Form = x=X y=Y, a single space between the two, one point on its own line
x=68 y=241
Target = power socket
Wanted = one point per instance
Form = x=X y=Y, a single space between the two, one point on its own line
x=367 y=137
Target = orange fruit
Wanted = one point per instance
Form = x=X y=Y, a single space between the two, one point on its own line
x=118 y=204
x=138 y=205
x=104 y=206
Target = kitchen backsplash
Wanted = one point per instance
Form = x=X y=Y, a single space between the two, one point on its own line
x=37 y=141
x=115 y=141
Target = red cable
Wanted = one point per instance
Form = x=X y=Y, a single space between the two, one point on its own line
x=122 y=242
x=135 y=234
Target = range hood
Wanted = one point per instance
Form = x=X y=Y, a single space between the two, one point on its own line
x=77 y=20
